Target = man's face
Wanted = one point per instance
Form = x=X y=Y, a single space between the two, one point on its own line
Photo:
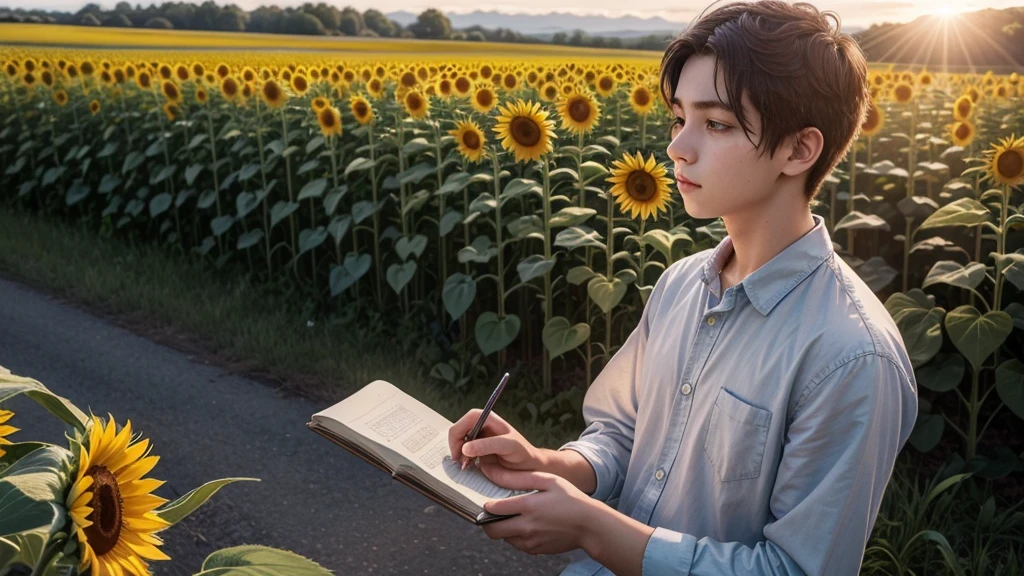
x=709 y=148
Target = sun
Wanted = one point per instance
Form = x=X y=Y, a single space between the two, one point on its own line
x=947 y=11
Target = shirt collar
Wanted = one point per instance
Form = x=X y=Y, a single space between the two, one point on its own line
x=770 y=283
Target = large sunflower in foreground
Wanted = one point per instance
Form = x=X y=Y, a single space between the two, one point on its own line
x=5 y=430
x=470 y=138
x=1006 y=162
x=111 y=505
x=525 y=130
x=640 y=188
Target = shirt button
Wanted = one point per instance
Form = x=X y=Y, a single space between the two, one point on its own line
x=711 y=320
x=687 y=389
x=659 y=474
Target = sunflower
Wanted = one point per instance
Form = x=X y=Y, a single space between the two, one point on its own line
x=640 y=188
x=524 y=129
x=330 y=121
x=963 y=107
x=229 y=88
x=375 y=87
x=903 y=92
x=361 y=109
x=319 y=103
x=462 y=86
x=144 y=80
x=94 y=107
x=111 y=505
x=1006 y=162
x=874 y=119
x=272 y=94
x=171 y=110
x=182 y=73
x=171 y=91
x=549 y=92
x=5 y=430
x=962 y=133
x=416 y=104
x=299 y=84
x=579 y=112
x=201 y=95
x=641 y=99
x=484 y=99
x=470 y=138
x=605 y=85
x=60 y=97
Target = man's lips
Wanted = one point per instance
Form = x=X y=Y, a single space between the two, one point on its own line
x=682 y=180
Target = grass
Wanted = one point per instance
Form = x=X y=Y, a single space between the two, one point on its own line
x=261 y=331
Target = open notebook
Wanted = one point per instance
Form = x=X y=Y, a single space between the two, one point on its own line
x=408 y=440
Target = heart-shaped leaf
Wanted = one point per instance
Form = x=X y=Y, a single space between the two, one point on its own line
x=310 y=239
x=1010 y=385
x=950 y=272
x=919 y=322
x=534 y=266
x=942 y=376
x=281 y=210
x=250 y=560
x=977 y=336
x=398 y=275
x=493 y=333
x=606 y=294
x=406 y=245
x=351 y=270
x=962 y=212
x=860 y=221
x=579 y=236
x=458 y=294
x=314 y=189
x=559 y=337
x=249 y=239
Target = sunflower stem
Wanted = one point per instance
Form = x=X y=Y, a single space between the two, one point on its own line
x=547 y=275
x=440 y=215
x=263 y=178
x=291 y=195
x=608 y=274
x=376 y=221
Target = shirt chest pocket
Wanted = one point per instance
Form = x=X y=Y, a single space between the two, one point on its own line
x=737 y=435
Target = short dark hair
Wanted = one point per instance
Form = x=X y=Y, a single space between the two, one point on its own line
x=797 y=70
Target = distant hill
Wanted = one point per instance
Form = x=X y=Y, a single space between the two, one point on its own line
x=544 y=26
x=988 y=38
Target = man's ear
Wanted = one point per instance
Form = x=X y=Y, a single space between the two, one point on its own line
x=804 y=148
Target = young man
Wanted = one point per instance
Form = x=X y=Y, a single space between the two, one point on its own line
x=750 y=422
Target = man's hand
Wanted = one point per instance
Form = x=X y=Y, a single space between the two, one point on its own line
x=551 y=521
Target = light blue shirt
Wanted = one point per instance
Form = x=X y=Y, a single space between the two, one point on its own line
x=756 y=430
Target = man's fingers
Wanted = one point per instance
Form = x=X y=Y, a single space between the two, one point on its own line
x=515 y=479
x=491 y=445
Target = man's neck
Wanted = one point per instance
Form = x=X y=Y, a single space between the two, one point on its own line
x=759 y=236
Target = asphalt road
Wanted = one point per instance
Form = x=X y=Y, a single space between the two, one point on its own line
x=314 y=498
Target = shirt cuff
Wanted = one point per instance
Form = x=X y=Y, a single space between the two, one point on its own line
x=668 y=552
x=602 y=470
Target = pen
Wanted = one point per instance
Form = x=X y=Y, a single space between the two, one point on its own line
x=483 y=416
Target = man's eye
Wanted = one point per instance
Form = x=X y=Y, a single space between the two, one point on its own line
x=676 y=127
x=718 y=126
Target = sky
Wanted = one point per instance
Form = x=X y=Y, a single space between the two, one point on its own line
x=851 y=12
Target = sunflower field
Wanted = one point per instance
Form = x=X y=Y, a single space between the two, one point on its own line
x=525 y=205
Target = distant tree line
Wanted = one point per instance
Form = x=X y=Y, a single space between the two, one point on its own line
x=320 y=19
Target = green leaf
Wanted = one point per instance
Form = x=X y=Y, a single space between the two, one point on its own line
x=920 y=324
x=579 y=274
x=359 y=164
x=31 y=498
x=663 y=240
x=176 y=511
x=962 y=212
x=108 y=183
x=480 y=250
x=338 y=227
x=164 y=173
x=398 y=275
x=131 y=162
x=927 y=432
x=579 y=236
x=448 y=222
x=524 y=226
x=333 y=198
x=977 y=336
x=859 y=221
x=606 y=294
x=245 y=203
x=417 y=145
x=364 y=209
x=207 y=199
x=559 y=337
x=458 y=294
x=76 y=193
x=942 y=376
x=415 y=245
x=11 y=386
x=535 y=266
x=52 y=174
x=351 y=270
x=249 y=239
x=253 y=560
x=456 y=182
x=1010 y=385
x=311 y=238
x=950 y=272
x=159 y=204
x=483 y=203
x=493 y=333
x=221 y=224
x=248 y=171
x=281 y=210
x=314 y=189
x=571 y=216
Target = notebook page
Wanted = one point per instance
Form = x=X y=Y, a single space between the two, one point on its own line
x=388 y=416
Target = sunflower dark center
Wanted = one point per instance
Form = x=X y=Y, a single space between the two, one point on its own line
x=640 y=185
x=414 y=101
x=641 y=98
x=525 y=131
x=903 y=93
x=361 y=109
x=1010 y=164
x=271 y=91
x=462 y=84
x=300 y=83
x=106 y=515
x=484 y=97
x=605 y=83
x=964 y=107
x=510 y=81
x=408 y=79
x=471 y=140
x=327 y=118
x=579 y=109
x=962 y=131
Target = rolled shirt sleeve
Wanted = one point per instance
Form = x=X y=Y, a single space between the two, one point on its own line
x=610 y=407
x=840 y=449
